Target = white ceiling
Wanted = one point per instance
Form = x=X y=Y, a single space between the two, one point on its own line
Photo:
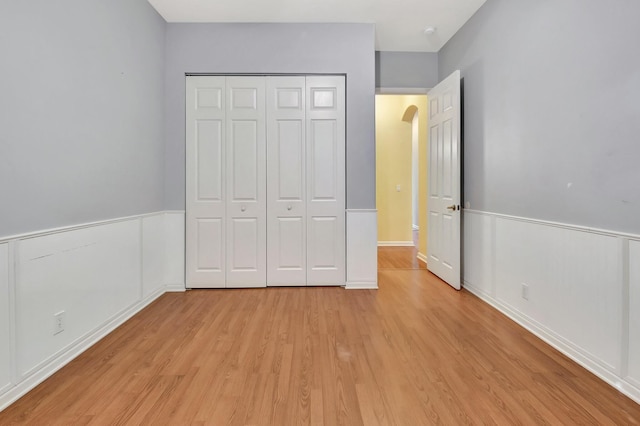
x=399 y=23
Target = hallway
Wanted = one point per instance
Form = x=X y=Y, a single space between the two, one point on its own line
x=399 y=258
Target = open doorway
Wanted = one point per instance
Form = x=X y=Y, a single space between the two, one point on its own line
x=401 y=172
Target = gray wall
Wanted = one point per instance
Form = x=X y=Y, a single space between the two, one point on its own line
x=552 y=110
x=275 y=48
x=406 y=69
x=81 y=110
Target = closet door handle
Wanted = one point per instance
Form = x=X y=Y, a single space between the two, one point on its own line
x=243 y=208
x=289 y=207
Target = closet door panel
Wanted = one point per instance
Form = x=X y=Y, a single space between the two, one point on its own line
x=205 y=182
x=323 y=252
x=246 y=187
x=209 y=238
x=245 y=253
x=244 y=147
x=286 y=205
x=290 y=254
x=325 y=161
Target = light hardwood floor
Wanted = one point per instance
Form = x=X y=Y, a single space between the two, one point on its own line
x=413 y=352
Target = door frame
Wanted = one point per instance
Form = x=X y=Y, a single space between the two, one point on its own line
x=425 y=91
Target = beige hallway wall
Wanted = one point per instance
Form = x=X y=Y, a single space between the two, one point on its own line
x=393 y=167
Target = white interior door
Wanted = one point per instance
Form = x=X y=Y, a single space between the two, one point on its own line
x=443 y=238
x=286 y=201
x=246 y=184
x=325 y=162
x=205 y=180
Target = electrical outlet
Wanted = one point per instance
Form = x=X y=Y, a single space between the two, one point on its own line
x=58 y=323
x=525 y=291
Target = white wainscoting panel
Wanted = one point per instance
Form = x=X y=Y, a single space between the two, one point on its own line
x=634 y=312
x=578 y=298
x=100 y=274
x=395 y=243
x=574 y=279
x=5 y=320
x=153 y=254
x=477 y=244
x=174 y=251
x=91 y=274
x=362 y=249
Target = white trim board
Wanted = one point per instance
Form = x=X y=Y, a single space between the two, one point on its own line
x=362 y=252
x=422 y=257
x=361 y=286
x=174 y=272
x=395 y=244
x=402 y=90
x=75 y=227
x=556 y=224
x=175 y=288
x=6 y=319
x=578 y=278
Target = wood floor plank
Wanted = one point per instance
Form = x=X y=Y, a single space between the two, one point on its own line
x=399 y=258
x=414 y=352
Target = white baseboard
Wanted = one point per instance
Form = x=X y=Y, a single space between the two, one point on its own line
x=395 y=244
x=175 y=288
x=372 y=285
x=422 y=257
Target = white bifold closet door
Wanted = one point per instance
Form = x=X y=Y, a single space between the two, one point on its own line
x=246 y=185
x=306 y=175
x=265 y=181
x=286 y=182
x=325 y=171
x=205 y=182
x=225 y=185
